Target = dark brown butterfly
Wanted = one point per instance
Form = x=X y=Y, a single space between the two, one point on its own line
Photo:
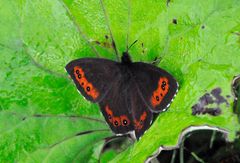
x=128 y=93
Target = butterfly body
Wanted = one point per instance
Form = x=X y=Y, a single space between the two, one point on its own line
x=128 y=93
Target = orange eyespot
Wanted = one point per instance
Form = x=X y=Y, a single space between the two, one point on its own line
x=122 y=120
x=78 y=71
x=116 y=121
x=125 y=121
x=109 y=113
x=84 y=83
x=108 y=110
x=143 y=116
x=138 y=125
x=160 y=92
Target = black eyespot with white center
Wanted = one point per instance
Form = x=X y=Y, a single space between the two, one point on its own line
x=163 y=87
x=79 y=76
x=141 y=122
x=116 y=123
x=77 y=71
x=157 y=98
x=88 y=89
x=125 y=122
x=109 y=117
x=164 y=83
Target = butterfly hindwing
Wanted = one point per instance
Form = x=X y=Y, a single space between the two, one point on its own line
x=93 y=77
x=156 y=86
x=115 y=108
x=142 y=116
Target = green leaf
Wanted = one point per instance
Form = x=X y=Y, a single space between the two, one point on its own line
x=37 y=39
x=196 y=41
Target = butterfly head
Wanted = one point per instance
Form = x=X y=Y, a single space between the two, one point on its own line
x=126 y=59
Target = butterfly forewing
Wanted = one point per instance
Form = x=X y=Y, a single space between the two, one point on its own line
x=156 y=86
x=93 y=77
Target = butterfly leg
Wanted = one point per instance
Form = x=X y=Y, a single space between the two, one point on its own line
x=156 y=61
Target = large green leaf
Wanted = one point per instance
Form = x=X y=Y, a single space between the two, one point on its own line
x=37 y=40
x=196 y=41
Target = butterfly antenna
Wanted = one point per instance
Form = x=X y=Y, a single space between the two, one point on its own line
x=79 y=29
x=132 y=45
x=129 y=21
x=108 y=25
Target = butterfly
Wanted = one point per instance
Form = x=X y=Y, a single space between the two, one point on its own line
x=128 y=93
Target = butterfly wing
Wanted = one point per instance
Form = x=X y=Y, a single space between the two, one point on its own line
x=142 y=116
x=156 y=86
x=124 y=108
x=127 y=95
x=93 y=77
x=115 y=108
